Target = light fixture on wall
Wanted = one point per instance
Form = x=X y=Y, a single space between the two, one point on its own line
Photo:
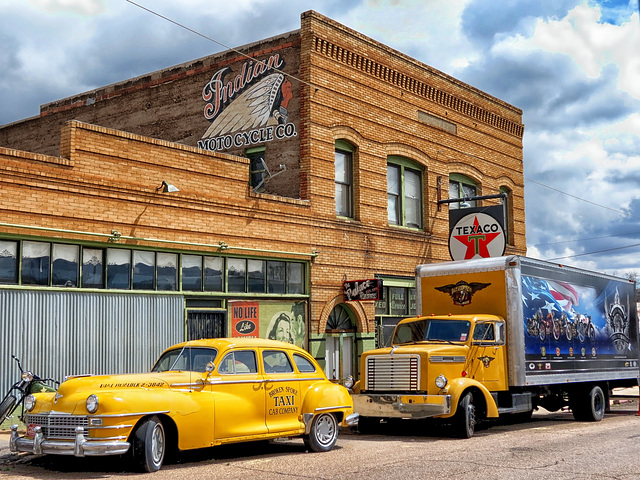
x=167 y=188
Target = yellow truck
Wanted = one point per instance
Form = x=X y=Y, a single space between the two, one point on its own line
x=504 y=335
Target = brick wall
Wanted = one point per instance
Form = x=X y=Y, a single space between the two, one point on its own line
x=351 y=88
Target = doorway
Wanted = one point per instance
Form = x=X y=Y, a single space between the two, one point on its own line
x=340 y=353
x=206 y=324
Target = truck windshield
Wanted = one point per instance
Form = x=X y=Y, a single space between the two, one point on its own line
x=432 y=329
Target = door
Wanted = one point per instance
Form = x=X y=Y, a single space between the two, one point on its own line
x=239 y=396
x=488 y=360
x=339 y=356
x=206 y=324
x=283 y=395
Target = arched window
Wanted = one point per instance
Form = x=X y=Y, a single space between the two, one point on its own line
x=404 y=192
x=340 y=318
x=507 y=206
x=461 y=186
x=344 y=178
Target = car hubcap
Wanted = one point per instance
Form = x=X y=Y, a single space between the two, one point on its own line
x=325 y=430
x=157 y=444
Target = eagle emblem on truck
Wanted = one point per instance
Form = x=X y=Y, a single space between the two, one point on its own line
x=462 y=291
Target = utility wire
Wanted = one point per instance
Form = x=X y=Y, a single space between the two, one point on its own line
x=308 y=84
x=214 y=41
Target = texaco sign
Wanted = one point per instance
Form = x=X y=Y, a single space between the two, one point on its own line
x=476 y=235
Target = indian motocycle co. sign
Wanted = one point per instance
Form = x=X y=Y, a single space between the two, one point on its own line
x=476 y=235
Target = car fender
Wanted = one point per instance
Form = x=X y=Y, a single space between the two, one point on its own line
x=327 y=397
x=458 y=386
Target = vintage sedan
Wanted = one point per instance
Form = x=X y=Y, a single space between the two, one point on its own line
x=199 y=393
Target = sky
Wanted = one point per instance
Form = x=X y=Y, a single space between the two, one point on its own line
x=572 y=66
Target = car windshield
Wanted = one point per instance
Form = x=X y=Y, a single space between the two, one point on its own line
x=185 y=359
x=432 y=329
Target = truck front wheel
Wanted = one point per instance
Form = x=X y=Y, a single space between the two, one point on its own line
x=464 y=424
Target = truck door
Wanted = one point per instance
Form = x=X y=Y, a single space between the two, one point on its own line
x=487 y=362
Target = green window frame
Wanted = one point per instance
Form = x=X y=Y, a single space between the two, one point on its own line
x=343 y=158
x=404 y=193
x=461 y=186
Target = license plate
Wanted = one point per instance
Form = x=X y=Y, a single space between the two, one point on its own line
x=31 y=429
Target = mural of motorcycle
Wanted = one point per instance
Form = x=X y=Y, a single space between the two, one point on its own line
x=585 y=328
x=570 y=327
x=533 y=324
x=549 y=326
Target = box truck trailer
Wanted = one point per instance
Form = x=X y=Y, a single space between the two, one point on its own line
x=505 y=335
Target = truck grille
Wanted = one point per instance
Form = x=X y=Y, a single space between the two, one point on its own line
x=58 y=426
x=393 y=373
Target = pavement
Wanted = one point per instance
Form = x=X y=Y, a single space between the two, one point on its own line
x=622 y=398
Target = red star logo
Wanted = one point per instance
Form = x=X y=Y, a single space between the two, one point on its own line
x=477 y=241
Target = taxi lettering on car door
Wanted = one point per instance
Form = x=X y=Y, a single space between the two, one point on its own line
x=282 y=388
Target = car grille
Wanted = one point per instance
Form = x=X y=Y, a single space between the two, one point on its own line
x=59 y=426
x=393 y=373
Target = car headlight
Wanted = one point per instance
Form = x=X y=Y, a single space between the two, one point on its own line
x=348 y=382
x=92 y=404
x=441 y=381
x=29 y=402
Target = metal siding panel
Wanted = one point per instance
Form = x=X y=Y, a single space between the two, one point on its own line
x=57 y=333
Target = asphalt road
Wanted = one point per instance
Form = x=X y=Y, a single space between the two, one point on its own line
x=550 y=446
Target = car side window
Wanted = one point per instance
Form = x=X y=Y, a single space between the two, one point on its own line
x=276 y=362
x=239 y=362
x=303 y=364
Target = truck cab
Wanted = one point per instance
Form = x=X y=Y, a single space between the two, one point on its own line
x=437 y=366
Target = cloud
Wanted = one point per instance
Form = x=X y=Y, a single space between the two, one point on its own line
x=572 y=66
x=80 y=7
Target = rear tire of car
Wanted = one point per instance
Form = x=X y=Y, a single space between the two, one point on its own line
x=6 y=407
x=149 y=445
x=323 y=434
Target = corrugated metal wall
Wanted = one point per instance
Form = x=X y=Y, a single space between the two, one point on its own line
x=57 y=333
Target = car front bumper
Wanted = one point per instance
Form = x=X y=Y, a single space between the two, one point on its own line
x=401 y=406
x=79 y=447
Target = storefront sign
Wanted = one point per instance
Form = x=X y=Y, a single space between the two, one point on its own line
x=476 y=233
x=361 y=290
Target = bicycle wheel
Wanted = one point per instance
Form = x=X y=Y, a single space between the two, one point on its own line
x=6 y=407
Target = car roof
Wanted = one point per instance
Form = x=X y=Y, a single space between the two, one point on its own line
x=242 y=342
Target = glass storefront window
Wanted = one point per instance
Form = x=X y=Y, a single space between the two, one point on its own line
x=381 y=305
x=92 y=268
x=257 y=276
x=275 y=277
x=192 y=273
x=118 y=268
x=237 y=271
x=66 y=263
x=8 y=262
x=144 y=270
x=36 y=260
x=214 y=274
x=167 y=271
x=295 y=278
x=397 y=301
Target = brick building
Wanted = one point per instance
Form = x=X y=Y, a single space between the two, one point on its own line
x=234 y=194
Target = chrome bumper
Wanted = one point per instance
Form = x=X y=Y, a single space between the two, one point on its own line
x=80 y=447
x=401 y=406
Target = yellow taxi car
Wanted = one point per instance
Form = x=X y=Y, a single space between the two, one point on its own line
x=200 y=393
